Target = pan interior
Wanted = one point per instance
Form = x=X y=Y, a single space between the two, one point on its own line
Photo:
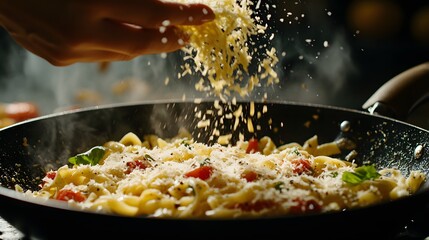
x=31 y=148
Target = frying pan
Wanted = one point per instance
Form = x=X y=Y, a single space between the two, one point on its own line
x=30 y=148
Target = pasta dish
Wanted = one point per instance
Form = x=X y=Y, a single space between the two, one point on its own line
x=182 y=178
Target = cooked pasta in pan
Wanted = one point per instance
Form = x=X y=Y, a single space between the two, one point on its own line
x=182 y=178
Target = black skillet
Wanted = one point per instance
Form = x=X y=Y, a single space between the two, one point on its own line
x=29 y=148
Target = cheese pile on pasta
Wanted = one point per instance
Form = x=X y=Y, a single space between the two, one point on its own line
x=185 y=179
x=220 y=51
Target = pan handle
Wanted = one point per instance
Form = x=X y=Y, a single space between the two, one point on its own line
x=401 y=94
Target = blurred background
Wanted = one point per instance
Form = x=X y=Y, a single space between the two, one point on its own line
x=333 y=52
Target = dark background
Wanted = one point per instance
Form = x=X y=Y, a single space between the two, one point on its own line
x=333 y=52
x=378 y=38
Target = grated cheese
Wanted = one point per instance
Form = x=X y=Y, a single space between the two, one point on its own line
x=220 y=50
x=186 y=179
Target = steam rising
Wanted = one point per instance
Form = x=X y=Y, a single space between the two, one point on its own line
x=81 y=85
x=317 y=76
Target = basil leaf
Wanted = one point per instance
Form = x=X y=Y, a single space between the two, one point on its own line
x=360 y=174
x=92 y=156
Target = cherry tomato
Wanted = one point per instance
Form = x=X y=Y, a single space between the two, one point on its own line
x=250 y=176
x=20 y=111
x=66 y=194
x=51 y=174
x=302 y=166
x=136 y=164
x=203 y=172
x=253 y=146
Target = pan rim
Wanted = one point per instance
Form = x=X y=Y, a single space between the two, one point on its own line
x=209 y=100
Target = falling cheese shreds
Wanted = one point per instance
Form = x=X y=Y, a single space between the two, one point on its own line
x=264 y=109
x=203 y=123
x=220 y=49
x=252 y=108
x=228 y=116
x=250 y=127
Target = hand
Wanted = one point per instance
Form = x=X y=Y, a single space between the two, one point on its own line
x=68 y=31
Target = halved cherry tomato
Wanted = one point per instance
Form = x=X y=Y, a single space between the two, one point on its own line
x=253 y=146
x=302 y=166
x=20 y=111
x=66 y=194
x=49 y=175
x=203 y=172
x=137 y=164
x=250 y=176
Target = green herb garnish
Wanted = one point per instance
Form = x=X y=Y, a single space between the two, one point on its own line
x=206 y=161
x=279 y=186
x=186 y=144
x=92 y=156
x=296 y=151
x=149 y=157
x=361 y=174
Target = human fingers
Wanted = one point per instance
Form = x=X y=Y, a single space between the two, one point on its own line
x=89 y=56
x=108 y=41
x=68 y=56
x=155 y=13
x=93 y=56
x=133 y=40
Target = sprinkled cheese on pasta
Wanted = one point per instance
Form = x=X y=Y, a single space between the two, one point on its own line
x=182 y=178
x=220 y=50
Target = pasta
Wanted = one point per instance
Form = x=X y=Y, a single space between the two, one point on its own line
x=181 y=178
